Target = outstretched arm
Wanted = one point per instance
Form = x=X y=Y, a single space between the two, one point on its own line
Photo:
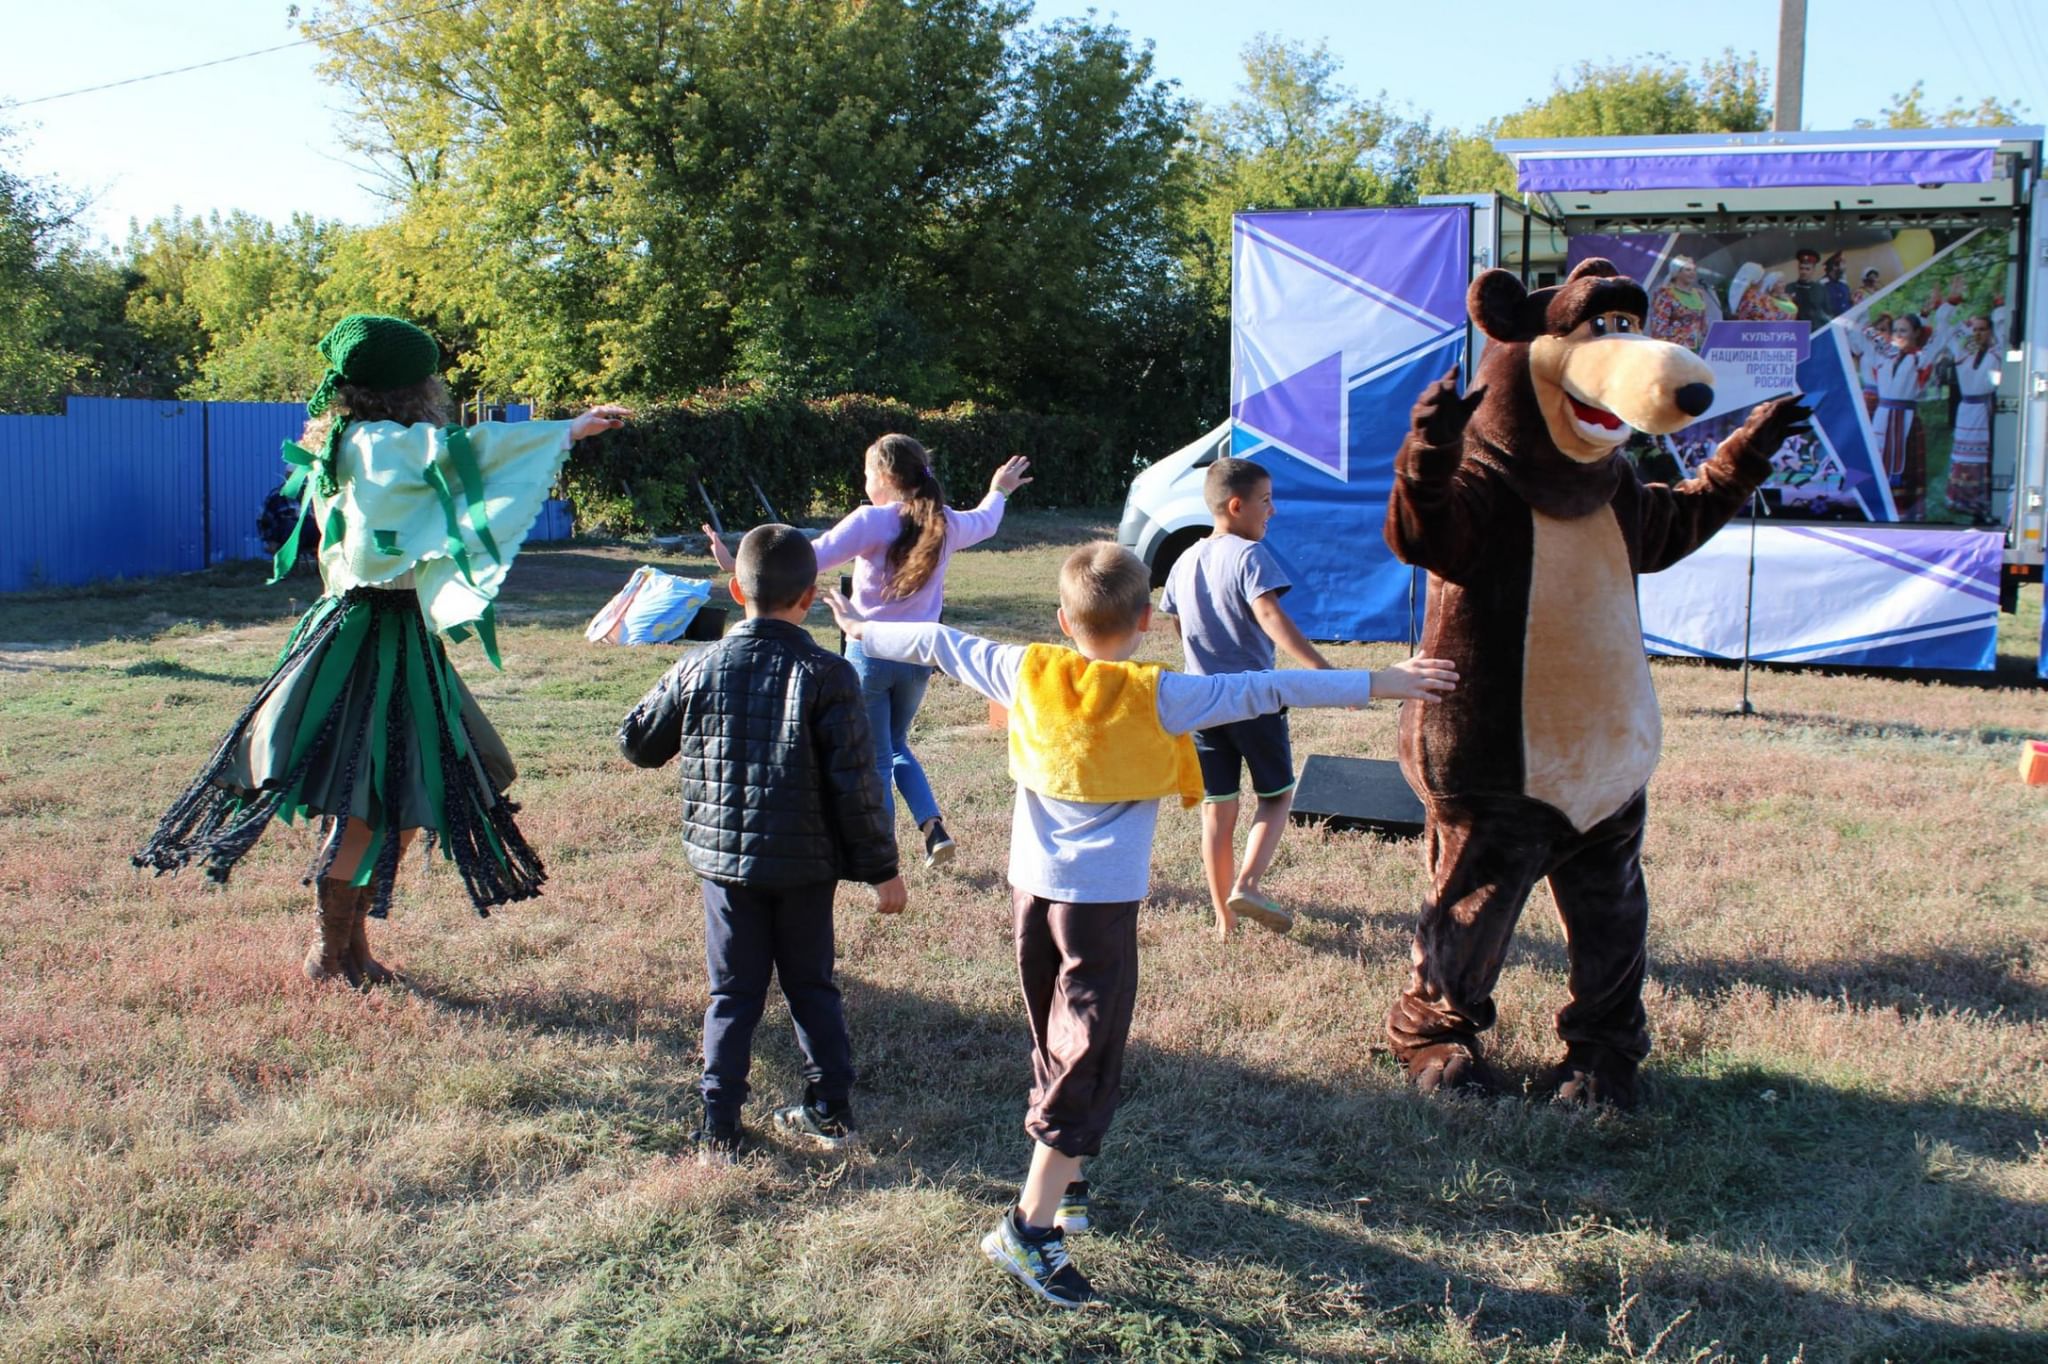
x=719 y=553
x=1189 y=703
x=1675 y=521
x=981 y=664
x=1436 y=516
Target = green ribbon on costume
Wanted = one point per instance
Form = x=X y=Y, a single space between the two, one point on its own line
x=485 y=627
x=451 y=698
x=299 y=460
x=336 y=663
x=380 y=752
x=314 y=615
x=463 y=455
x=452 y=544
x=419 y=687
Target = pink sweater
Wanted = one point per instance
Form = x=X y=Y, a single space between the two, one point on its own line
x=865 y=535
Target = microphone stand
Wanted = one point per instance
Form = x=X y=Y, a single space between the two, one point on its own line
x=1749 y=608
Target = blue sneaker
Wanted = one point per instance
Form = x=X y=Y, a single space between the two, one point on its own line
x=1041 y=1266
x=1073 y=1214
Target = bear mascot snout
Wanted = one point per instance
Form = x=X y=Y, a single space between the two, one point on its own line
x=1532 y=527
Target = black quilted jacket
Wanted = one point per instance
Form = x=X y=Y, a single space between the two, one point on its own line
x=779 y=783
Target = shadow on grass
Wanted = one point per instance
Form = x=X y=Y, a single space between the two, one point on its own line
x=1246 y=1210
x=1937 y=981
x=2008 y=670
x=1941 y=980
x=1771 y=721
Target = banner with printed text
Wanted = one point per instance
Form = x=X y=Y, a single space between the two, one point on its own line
x=1895 y=337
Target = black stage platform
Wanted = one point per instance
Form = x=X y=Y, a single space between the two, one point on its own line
x=1357 y=793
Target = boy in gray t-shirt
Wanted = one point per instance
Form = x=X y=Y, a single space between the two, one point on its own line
x=1225 y=593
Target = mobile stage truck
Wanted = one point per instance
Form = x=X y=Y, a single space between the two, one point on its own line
x=1894 y=278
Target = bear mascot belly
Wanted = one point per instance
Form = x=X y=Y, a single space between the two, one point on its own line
x=1517 y=501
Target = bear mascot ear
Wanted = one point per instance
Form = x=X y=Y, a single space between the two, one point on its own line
x=1593 y=267
x=1495 y=303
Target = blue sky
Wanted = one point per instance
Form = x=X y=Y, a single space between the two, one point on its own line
x=265 y=134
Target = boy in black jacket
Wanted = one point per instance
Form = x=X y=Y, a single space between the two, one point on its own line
x=780 y=803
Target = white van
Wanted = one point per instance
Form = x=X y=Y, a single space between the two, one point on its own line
x=1164 y=512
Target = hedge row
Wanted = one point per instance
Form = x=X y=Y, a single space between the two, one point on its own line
x=806 y=455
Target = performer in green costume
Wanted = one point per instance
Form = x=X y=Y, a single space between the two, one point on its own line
x=364 y=723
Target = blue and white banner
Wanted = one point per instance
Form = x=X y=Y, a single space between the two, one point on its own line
x=1339 y=319
x=1864 y=596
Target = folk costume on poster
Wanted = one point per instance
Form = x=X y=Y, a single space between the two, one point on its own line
x=1969 y=466
x=1901 y=379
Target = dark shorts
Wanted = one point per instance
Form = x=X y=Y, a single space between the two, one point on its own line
x=1259 y=744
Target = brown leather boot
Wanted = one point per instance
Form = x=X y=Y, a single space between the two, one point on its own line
x=372 y=971
x=330 y=958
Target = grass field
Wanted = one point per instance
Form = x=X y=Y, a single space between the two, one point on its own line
x=1843 y=1154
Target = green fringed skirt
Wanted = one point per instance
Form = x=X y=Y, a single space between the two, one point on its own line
x=363 y=720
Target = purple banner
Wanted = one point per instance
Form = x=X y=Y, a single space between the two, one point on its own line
x=1758 y=170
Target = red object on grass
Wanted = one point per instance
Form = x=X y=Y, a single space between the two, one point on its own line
x=2034 y=762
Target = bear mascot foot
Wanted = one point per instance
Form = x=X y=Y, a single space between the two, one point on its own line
x=1592 y=1077
x=1451 y=1068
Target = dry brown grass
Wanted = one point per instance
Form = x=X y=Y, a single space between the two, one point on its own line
x=1842 y=1152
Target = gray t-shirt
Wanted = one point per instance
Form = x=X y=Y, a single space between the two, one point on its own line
x=1212 y=588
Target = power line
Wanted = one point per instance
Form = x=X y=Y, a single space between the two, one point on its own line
x=239 y=56
x=2025 y=25
x=1995 y=77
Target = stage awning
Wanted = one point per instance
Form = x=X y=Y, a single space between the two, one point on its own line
x=1749 y=161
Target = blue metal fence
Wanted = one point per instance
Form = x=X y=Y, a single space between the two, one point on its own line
x=135 y=487
x=242 y=468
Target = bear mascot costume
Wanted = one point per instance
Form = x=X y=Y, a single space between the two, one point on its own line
x=1532 y=526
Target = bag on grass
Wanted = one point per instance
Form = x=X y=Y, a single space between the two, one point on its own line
x=652 y=608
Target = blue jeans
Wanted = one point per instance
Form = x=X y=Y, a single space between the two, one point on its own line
x=750 y=935
x=894 y=691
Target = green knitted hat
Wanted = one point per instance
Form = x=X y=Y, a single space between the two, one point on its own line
x=373 y=352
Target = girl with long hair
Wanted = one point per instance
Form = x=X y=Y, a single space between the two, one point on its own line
x=364 y=724
x=900 y=545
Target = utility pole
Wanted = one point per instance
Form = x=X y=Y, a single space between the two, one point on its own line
x=1791 y=65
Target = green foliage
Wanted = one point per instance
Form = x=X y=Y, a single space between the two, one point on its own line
x=1910 y=110
x=937 y=200
x=806 y=455
x=39 y=268
x=234 y=305
x=1655 y=95
x=926 y=199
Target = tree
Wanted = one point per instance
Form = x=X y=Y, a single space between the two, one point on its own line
x=232 y=308
x=1296 y=136
x=919 y=197
x=1909 y=110
x=1655 y=95
x=38 y=254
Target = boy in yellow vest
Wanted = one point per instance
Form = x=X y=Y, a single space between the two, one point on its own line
x=1095 y=741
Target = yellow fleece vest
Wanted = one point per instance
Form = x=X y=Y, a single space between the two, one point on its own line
x=1085 y=730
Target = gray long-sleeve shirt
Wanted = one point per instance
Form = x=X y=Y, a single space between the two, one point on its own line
x=1086 y=852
